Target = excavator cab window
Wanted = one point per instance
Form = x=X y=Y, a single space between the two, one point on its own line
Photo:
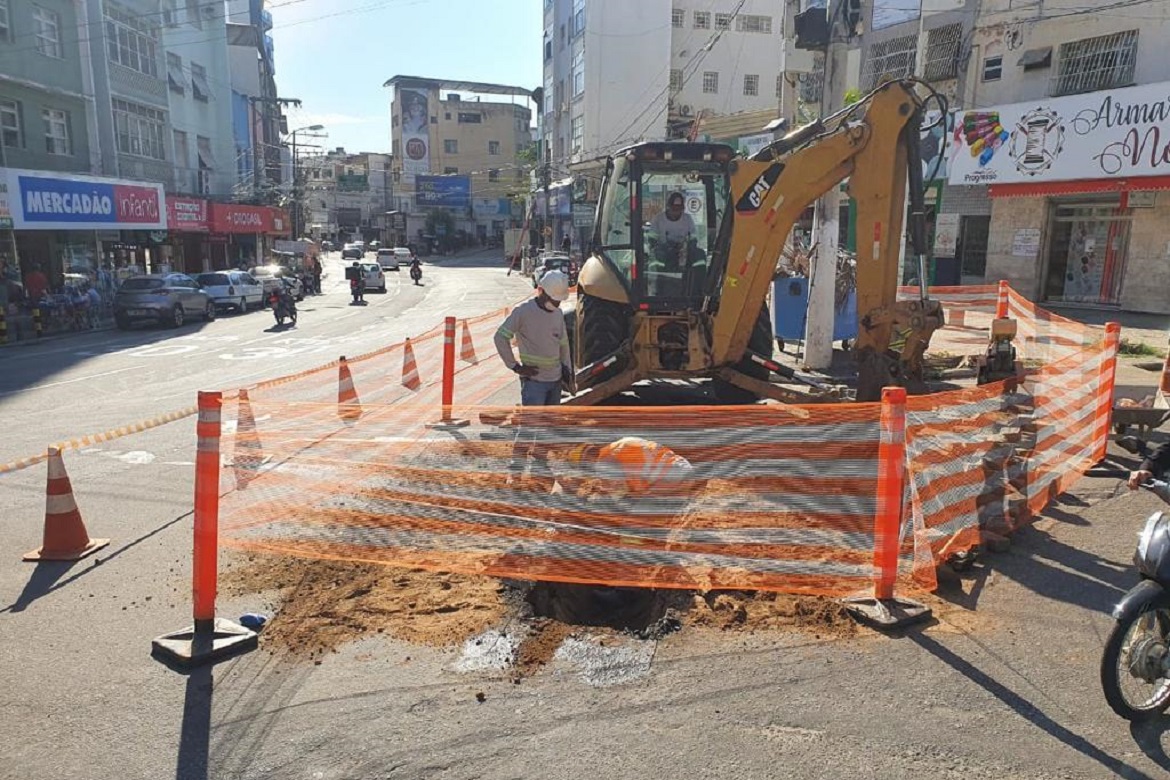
x=658 y=226
x=680 y=214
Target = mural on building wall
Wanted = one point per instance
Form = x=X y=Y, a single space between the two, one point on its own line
x=416 y=142
x=1100 y=135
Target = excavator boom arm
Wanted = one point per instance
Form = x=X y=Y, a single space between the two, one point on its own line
x=870 y=144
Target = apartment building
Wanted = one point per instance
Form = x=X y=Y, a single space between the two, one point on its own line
x=1052 y=169
x=455 y=148
x=199 y=97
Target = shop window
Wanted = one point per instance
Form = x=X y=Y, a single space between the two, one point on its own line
x=973 y=233
x=1088 y=250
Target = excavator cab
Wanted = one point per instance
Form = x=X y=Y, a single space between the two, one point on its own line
x=660 y=223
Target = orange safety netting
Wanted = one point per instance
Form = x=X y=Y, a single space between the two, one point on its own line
x=346 y=461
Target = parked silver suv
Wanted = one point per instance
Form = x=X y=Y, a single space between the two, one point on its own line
x=168 y=299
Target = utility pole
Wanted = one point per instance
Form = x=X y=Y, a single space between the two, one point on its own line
x=546 y=227
x=822 y=286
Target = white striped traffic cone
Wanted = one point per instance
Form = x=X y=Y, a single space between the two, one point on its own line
x=467 y=348
x=349 y=407
x=65 y=537
x=249 y=454
x=410 y=379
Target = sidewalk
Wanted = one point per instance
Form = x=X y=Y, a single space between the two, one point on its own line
x=22 y=331
x=1136 y=327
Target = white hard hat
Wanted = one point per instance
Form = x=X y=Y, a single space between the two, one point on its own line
x=555 y=285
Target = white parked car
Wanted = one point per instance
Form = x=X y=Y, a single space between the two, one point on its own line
x=375 y=279
x=232 y=289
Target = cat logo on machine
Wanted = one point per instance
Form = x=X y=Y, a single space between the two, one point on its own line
x=752 y=199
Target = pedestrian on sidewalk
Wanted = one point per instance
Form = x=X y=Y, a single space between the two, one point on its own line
x=566 y=244
x=538 y=327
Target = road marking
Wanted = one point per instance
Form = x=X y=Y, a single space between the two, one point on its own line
x=71 y=381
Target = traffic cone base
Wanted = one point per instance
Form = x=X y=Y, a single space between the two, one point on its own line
x=65 y=537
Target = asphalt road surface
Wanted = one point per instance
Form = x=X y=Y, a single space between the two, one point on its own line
x=1003 y=686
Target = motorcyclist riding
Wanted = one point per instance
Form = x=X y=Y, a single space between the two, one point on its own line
x=415 y=270
x=284 y=303
x=357 y=283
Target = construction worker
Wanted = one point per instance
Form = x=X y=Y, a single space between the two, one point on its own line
x=635 y=466
x=539 y=330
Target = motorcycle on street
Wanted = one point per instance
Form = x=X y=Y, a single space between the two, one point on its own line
x=1135 y=665
x=283 y=306
x=416 y=272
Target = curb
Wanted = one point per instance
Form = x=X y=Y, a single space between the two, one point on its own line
x=53 y=337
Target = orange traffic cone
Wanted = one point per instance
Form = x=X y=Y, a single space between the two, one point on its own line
x=348 y=406
x=65 y=536
x=249 y=452
x=410 y=379
x=467 y=348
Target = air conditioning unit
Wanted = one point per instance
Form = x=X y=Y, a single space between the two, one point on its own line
x=685 y=111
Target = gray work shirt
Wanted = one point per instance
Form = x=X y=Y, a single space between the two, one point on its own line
x=540 y=334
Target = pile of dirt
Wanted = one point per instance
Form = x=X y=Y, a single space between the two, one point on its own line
x=318 y=605
x=755 y=611
x=323 y=604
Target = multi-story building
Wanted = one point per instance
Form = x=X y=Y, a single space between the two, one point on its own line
x=199 y=94
x=257 y=119
x=346 y=196
x=455 y=151
x=1053 y=175
x=617 y=73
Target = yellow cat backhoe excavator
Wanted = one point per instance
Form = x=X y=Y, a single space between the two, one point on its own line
x=686 y=241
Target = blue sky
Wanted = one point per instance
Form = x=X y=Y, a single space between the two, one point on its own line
x=335 y=55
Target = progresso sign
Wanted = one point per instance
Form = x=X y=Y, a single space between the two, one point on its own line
x=445 y=191
x=46 y=202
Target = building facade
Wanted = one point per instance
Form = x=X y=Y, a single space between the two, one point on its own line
x=457 y=151
x=346 y=196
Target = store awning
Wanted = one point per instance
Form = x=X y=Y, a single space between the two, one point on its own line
x=1080 y=187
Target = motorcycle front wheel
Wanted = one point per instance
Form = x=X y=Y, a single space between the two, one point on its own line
x=1132 y=666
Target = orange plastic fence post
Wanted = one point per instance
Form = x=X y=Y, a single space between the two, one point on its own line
x=205 y=561
x=448 y=367
x=1105 y=380
x=447 y=421
x=890 y=489
x=884 y=609
x=1001 y=300
x=209 y=638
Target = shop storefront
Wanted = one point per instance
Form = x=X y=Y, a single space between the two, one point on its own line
x=65 y=227
x=250 y=231
x=1078 y=194
x=188 y=227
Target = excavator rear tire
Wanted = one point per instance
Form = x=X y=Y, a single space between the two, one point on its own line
x=760 y=342
x=605 y=326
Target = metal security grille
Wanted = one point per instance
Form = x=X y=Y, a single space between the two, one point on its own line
x=1090 y=64
x=812 y=84
x=942 y=53
x=889 y=60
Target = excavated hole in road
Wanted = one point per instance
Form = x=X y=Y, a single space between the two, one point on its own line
x=639 y=611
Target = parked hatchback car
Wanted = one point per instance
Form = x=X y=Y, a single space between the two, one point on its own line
x=375 y=279
x=235 y=289
x=168 y=299
x=353 y=251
